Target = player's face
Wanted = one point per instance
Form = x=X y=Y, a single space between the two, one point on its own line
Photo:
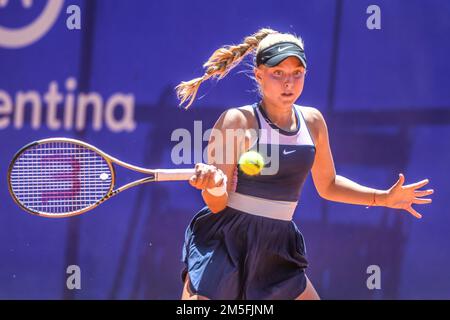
x=283 y=83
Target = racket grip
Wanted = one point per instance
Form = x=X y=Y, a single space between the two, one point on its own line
x=176 y=174
x=173 y=174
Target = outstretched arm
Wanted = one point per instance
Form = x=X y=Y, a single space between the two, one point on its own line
x=340 y=189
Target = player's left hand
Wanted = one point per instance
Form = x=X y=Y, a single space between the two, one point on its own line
x=402 y=197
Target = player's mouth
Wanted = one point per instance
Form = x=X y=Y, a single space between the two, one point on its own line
x=288 y=95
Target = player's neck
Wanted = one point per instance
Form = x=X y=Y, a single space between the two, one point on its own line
x=281 y=115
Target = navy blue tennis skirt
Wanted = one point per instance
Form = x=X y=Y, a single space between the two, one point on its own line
x=234 y=255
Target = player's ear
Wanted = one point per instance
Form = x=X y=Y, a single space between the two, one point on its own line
x=258 y=74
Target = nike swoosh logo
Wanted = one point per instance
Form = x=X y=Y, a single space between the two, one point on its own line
x=288 y=152
x=282 y=49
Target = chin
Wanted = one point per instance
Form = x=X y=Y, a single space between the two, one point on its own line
x=288 y=100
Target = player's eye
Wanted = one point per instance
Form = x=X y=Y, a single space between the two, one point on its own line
x=278 y=73
x=299 y=74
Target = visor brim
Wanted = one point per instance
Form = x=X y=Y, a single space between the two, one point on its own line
x=272 y=62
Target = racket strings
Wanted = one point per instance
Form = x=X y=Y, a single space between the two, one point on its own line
x=60 y=178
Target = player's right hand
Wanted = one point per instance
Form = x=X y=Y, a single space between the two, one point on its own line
x=206 y=176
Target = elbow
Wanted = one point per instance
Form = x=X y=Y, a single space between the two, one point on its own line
x=324 y=195
x=326 y=190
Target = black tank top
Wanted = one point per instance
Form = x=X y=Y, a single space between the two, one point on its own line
x=289 y=157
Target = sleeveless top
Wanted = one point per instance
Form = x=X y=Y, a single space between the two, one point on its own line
x=289 y=157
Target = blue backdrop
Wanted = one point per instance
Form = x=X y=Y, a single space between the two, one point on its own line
x=384 y=94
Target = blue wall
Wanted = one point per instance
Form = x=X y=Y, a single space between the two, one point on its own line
x=384 y=94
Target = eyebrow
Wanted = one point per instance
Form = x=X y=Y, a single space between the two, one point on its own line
x=297 y=68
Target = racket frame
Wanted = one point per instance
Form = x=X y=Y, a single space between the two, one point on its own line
x=153 y=175
x=56 y=140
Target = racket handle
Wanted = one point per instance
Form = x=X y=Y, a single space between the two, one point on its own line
x=176 y=174
x=173 y=174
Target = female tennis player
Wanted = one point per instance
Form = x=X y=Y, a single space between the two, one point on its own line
x=243 y=244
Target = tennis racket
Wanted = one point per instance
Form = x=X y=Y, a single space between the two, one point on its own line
x=61 y=177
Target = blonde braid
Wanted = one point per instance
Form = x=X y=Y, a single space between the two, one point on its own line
x=220 y=63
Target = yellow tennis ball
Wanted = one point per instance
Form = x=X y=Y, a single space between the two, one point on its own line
x=251 y=163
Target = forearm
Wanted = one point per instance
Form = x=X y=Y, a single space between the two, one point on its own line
x=214 y=203
x=347 y=191
x=217 y=198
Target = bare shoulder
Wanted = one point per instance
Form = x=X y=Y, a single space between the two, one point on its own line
x=314 y=120
x=313 y=114
x=240 y=117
